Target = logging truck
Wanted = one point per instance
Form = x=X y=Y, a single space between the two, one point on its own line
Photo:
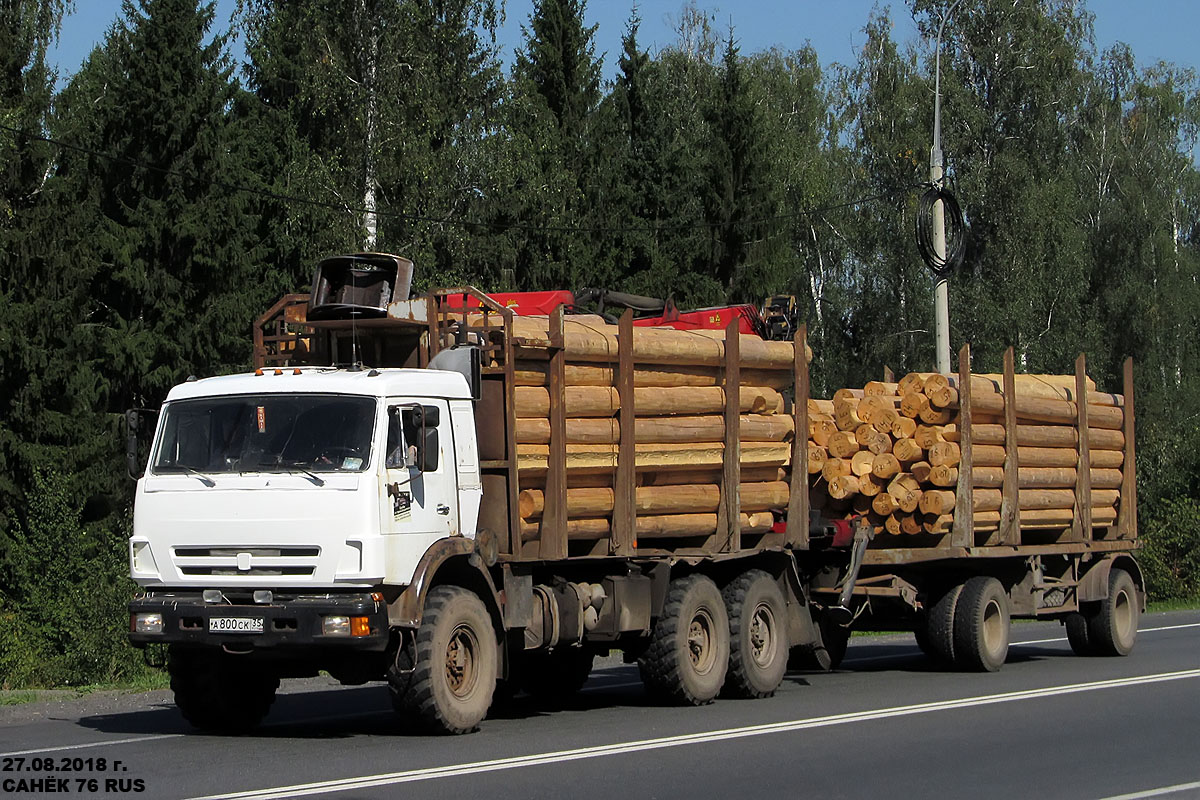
x=467 y=496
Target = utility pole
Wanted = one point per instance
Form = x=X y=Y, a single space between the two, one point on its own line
x=941 y=298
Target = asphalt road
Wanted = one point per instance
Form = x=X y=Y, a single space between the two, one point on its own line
x=887 y=724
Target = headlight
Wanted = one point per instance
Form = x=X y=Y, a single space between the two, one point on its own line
x=346 y=626
x=146 y=623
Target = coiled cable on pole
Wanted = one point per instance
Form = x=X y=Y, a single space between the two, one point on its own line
x=956 y=233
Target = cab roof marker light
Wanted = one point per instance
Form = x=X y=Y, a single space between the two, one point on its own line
x=278 y=372
x=258 y=371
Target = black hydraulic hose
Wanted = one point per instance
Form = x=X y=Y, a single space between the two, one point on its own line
x=956 y=232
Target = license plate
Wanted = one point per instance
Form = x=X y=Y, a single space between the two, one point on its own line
x=235 y=624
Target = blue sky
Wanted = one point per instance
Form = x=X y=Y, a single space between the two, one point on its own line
x=1156 y=29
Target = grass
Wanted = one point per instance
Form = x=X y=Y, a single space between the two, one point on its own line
x=16 y=698
x=1173 y=605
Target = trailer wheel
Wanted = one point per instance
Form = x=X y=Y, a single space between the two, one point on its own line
x=758 y=647
x=216 y=692
x=1078 y=634
x=939 y=626
x=1112 y=630
x=981 y=623
x=554 y=676
x=689 y=647
x=454 y=673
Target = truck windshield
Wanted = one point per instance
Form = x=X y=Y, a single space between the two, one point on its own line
x=267 y=433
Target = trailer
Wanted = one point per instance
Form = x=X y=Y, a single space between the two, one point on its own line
x=463 y=502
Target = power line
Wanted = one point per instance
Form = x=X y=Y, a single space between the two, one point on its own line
x=466 y=223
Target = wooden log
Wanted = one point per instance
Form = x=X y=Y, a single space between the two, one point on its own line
x=870 y=486
x=845 y=414
x=650 y=401
x=944 y=454
x=598 y=458
x=912 y=382
x=920 y=470
x=1040 y=436
x=675 y=477
x=592 y=342
x=936 y=416
x=906 y=491
x=861 y=463
x=843 y=445
x=1030 y=520
x=848 y=395
x=835 y=467
x=752 y=428
x=892 y=524
x=843 y=486
x=940 y=501
x=884 y=504
x=990 y=455
x=1044 y=478
x=820 y=407
x=816 y=458
x=885 y=420
x=911 y=523
x=937 y=502
x=1036 y=409
x=928 y=435
x=654 y=527
x=943 y=475
x=876 y=388
x=885 y=465
x=912 y=404
x=904 y=428
x=941 y=391
x=676 y=499
x=907 y=450
x=533 y=371
x=820 y=431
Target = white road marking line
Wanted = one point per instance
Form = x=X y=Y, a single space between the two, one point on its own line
x=1161 y=792
x=620 y=748
x=861 y=659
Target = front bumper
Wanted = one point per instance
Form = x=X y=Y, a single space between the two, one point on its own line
x=291 y=621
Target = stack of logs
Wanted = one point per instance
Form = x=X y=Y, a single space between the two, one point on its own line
x=679 y=411
x=891 y=451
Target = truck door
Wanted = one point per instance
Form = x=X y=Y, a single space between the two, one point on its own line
x=421 y=484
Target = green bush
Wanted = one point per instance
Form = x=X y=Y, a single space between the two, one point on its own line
x=1170 y=530
x=64 y=592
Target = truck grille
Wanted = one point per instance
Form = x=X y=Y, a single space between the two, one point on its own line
x=246 y=561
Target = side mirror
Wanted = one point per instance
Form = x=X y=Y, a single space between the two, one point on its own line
x=420 y=429
x=138 y=429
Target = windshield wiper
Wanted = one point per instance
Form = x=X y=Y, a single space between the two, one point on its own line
x=207 y=481
x=314 y=477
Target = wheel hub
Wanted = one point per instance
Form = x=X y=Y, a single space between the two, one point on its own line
x=762 y=635
x=461 y=653
x=700 y=642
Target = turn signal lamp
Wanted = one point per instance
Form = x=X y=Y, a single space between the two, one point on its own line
x=359 y=626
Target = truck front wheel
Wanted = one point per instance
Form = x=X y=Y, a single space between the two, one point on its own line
x=450 y=683
x=219 y=692
x=689 y=648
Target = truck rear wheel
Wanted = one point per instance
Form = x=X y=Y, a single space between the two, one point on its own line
x=758 y=648
x=1078 y=634
x=219 y=692
x=1112 y=630
x=455 y=655
x=939 y=626
x=981 y=623
x=689 y=647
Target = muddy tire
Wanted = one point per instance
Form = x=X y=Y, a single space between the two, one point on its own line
x=688 y=654
x=939 y=626
x=981 y=625
x=921 y=635
x=449 y=686
x=1078 y=634
x=218 y=692
x=1112 y=630
x=758 y=646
